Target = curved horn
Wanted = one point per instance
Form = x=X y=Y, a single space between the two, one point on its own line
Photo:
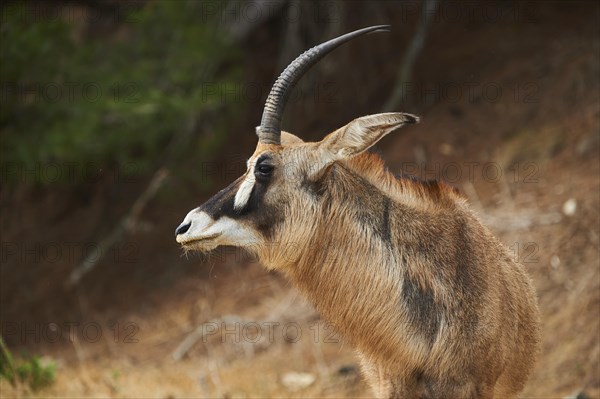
x=269 y=131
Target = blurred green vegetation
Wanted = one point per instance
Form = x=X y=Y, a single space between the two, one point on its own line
x=108 y=98
x=31 y=371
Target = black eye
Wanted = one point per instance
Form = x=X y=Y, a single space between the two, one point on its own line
x=263 y=170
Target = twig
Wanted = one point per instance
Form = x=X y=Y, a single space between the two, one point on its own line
x=13 y=378
x=214 y=376
x=322 y=366
x=520 y=221
x=410 y=57
x=470 y=191
x=126 y=225
x=199 y=334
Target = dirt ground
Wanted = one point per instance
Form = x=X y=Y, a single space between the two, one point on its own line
x=522 y=146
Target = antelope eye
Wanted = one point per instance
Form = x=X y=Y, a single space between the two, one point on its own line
x=264 y=170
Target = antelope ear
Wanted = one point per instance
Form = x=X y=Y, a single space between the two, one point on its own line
x=360 y=134
x=288 y=139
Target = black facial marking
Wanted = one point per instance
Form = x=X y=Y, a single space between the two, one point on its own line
x=261 y=216
x=221 y=204
x=263 y=169
x=262 y=158
x=264 y=217
x=423 y=311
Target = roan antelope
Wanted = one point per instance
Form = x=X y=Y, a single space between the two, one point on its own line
x=434 y=304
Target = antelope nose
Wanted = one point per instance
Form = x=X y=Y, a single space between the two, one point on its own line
x=183 y=227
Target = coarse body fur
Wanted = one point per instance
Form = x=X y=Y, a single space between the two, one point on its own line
x=434 y=304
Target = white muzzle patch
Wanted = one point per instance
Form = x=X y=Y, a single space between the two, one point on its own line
x=207 y=233
x=201 y=222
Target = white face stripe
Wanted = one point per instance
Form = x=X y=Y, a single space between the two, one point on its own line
x=243 y=194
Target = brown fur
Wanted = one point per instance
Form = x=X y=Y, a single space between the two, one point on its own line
x=432 y=301
x=459 y=274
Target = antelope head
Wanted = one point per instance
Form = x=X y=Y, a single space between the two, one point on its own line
x=279 y=200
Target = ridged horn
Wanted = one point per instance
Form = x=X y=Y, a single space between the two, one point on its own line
x=269 y=131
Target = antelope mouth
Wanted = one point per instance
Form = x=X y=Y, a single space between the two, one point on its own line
x=198 y=240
